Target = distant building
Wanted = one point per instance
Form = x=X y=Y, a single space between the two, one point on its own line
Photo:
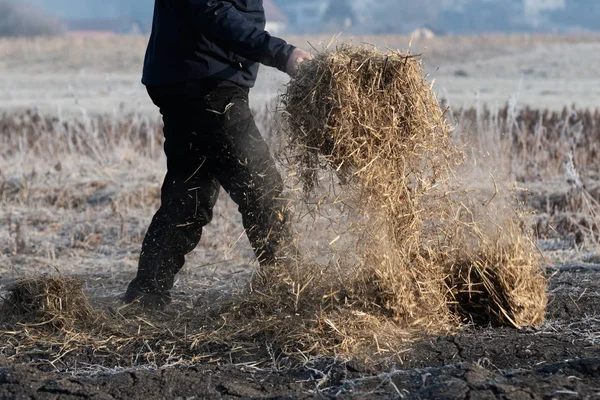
x=320 y=15
x=339 y=14
x=422 y=33
x=277 y=21
x=303 y=15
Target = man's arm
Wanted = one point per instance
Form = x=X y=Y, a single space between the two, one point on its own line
x=222 y=24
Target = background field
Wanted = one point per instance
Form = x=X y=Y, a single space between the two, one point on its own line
x=79 y=182
x=102 y=74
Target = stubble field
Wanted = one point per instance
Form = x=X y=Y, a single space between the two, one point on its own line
x=80 y=168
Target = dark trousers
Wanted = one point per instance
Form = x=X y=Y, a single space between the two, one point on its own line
x=211 y=141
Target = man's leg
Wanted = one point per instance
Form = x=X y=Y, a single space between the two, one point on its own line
x=188 y=196
x=246 y=170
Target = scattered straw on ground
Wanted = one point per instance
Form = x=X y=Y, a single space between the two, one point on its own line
x=423 y=251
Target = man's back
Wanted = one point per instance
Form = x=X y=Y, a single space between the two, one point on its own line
x=199 y=39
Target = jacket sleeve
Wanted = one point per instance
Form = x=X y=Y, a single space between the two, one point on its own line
x=221 y=23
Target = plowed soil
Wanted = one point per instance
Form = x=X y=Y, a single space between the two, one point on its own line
x=559 y=360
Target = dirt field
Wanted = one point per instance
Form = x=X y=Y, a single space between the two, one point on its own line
x=77 y=193
x=560 y=360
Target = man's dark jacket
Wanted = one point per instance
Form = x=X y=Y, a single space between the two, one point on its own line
x=215 y=39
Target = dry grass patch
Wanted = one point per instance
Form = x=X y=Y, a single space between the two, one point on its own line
x=54 y=302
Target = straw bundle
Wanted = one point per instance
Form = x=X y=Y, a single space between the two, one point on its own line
x=494 y=272
x=372 y=120
x=56 y=302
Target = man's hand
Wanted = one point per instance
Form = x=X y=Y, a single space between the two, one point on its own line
x=298 y=57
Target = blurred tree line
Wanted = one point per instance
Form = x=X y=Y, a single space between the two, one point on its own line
x=28 y=18
x=475 y=16
x=443 y=16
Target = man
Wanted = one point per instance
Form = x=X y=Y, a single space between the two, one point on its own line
x=201 y=60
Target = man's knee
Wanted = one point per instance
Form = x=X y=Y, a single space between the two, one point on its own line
x=186 y=210
x=186 y=203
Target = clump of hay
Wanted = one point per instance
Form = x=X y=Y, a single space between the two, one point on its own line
x=493 y=265
x=373 y=119
x=54 y=302
x=370 y=120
